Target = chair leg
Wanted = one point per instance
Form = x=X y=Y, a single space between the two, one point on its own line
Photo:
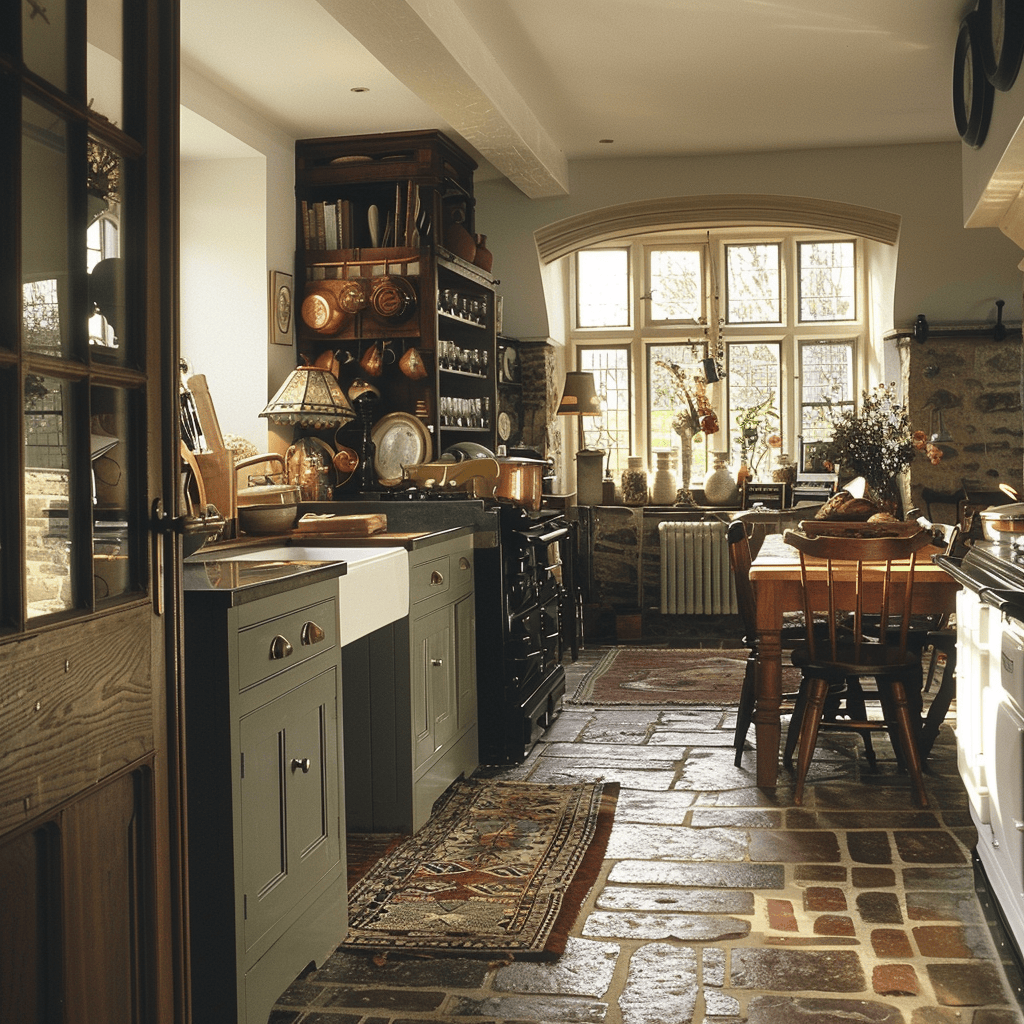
x=858 y=710
x=795 y=725
x=908 y=727
x=745 y=712
x=817 y=692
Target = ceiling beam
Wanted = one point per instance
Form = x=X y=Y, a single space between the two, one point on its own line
x=431 y=48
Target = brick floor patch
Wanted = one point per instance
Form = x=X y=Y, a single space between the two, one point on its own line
x=895 y=980
x=928 y=848
x=869 y=847
x=879 y=907
x=781 y=917
x=819 y=898
x=873 y=878
x=794 y=847
x=819 y=873
x=950 y=942
x=891 y=942
x=834 y=924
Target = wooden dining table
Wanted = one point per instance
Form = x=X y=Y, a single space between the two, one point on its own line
x=775 y=576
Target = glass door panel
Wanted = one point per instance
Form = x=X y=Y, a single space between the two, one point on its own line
x=104 y=247
x=49 y=533
x=112 y=458
x=103 y=59
x=45 y=317
x=44 y=37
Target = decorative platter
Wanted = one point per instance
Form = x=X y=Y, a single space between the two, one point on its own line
x=835 y=528
x=401 y=439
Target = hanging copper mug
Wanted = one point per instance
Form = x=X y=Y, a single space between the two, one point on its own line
x=372 y=361
x=412 y=365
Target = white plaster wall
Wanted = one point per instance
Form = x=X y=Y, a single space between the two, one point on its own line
x=237 y=225
x=945 y=271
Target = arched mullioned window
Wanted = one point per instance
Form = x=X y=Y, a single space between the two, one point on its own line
x=784 y=299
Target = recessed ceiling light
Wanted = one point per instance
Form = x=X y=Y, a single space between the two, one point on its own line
x=606 y=142
x=360 y=88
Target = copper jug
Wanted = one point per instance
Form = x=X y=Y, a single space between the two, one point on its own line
x=372 y=361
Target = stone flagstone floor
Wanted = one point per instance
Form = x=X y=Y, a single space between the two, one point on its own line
x=719 y=903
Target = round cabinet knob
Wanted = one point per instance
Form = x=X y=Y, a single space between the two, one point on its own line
x=436 y=662
x=301 y=764
x=279 y=648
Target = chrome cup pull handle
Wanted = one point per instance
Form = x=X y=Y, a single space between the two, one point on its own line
x=279 y=648
x=312 y=633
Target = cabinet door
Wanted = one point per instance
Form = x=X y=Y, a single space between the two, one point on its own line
x=433 y=683
x=465 y=661
x=291 y=815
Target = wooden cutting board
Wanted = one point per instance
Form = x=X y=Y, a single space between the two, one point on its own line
x=343 y=526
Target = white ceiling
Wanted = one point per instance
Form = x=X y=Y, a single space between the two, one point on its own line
x=527 y=85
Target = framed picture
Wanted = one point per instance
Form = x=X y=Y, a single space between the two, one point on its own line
x=281 y=308
x=812 y=465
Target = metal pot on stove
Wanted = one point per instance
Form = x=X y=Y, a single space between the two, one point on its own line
x=1002 y=524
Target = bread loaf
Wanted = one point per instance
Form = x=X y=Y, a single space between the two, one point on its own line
x=845 y=508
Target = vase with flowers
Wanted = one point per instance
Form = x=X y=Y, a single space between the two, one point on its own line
x=877 y=442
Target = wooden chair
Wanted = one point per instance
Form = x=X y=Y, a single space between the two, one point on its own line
x=896 y=670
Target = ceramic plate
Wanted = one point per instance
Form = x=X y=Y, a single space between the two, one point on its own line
x=401 y=440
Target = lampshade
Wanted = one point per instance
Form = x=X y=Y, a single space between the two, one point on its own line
x=579 y=398
x=310 y=398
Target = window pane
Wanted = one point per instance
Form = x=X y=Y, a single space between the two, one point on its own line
x=826 y=376
x=602 y=288
x=672 y=408
x=827 y=281
x=754 y=408
x=103 y=58
x=753 y=294
x=611 y=430
x=44 y=238
x=676 y=285
x=48 y=535
x=103 y=253
x=43 y=34
x=111 y=462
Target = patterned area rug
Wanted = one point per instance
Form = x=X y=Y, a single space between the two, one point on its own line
x=501 y=869
x=642 y=675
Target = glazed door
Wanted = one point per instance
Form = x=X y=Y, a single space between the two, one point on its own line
x=88 y=832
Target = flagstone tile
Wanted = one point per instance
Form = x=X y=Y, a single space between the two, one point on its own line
x=966 y=984
x=929 y=848
x=614 y=733
x=879 y=908
x=556 y=1009
x=427 y=972
x=941 y=878
x=389 y=999
x=676 y=842
x=561 y=770
x=613 y=754
x=869 y=847
x=873 y=878
x=708 y=770
x=808 y=874
x=943 y=906
x=661 y=985
x=952 y=942
x=585 y=969
x=663 y=898
x=796 y=970
x=747 y=797
x=668 y=808
x=727 y=876
x=728 y=817
x=773 y=1009
x=794 y=847
x=691 y=739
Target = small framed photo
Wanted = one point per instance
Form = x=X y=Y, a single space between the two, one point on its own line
x=812 y=461
x=769 y=496
x=281 y=308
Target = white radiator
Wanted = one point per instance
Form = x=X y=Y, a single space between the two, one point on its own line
x=696 y=578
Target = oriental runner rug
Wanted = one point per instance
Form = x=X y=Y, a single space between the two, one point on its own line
x=500 y=869
x=710 y=676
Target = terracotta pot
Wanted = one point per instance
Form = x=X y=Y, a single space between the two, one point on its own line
x=460 y=241
x=483 y=257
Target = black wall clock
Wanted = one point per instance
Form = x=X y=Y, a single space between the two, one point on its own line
x=1001 y=36
x=972 y=91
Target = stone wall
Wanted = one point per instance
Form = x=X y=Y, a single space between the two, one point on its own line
x=974 y=382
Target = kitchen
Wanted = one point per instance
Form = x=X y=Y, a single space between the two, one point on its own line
x=227 y=253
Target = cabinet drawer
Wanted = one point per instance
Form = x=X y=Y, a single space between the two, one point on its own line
x=274 y=645
x=429 y=579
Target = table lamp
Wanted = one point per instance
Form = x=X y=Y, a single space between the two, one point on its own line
x=579 y=398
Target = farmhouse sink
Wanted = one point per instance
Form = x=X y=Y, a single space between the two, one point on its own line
x=374 y=592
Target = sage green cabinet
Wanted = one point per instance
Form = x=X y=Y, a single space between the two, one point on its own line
x=266 y=818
